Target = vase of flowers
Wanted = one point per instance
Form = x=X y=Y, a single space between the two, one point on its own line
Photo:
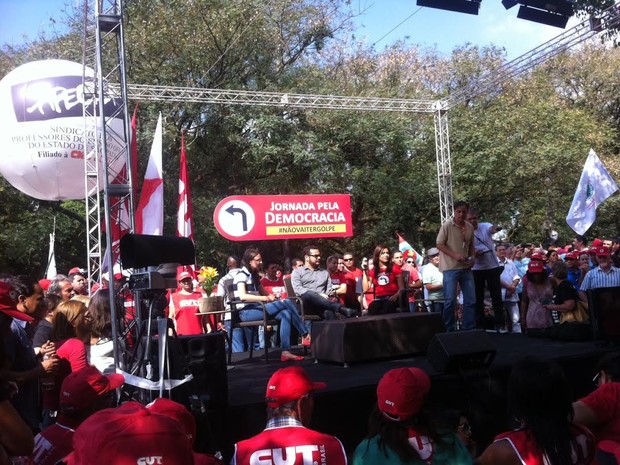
x=207 y=279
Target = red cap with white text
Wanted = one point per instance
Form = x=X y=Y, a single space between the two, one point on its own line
x=128 y=435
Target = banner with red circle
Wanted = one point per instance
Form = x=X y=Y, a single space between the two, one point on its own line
x=271 y=217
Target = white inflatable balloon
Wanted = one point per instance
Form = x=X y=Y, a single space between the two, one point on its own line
x=42 y=129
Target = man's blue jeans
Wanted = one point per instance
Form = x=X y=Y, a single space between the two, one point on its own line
x=465 y=278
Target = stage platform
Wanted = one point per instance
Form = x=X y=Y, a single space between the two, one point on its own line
x=343 y=407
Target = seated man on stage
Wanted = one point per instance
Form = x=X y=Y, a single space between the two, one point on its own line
x=314 y=287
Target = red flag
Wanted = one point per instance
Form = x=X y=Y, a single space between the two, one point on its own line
x=185 y=217
x=134 y=153
x=119 y=212
x=150 y=211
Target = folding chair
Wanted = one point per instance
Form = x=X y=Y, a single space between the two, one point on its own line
x=235 y=321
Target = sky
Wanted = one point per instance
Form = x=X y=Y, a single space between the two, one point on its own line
x=381 y=22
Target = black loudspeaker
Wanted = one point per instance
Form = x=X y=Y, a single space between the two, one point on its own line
x=604 y=307
x=462 y=350
x=141 y=251
x=204 y=356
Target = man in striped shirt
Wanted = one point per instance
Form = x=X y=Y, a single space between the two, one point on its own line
x=605 y=275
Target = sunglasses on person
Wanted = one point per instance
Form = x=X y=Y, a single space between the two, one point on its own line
x=410 y=262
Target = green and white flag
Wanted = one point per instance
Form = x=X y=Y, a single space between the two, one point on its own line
x=595 y=186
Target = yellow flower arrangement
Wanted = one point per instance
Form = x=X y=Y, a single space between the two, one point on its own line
x=206 y=277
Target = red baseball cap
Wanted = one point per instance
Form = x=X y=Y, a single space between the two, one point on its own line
x=597 y=242
x=8 y=302
x=571 y=256
x=603 y=251
x=401 y=392
x=127 y=435
x=535 y=267
x=289 y=384
x=184 y=275
x=45 y=284
x=77 y=270
x=81 y=389
x=537 y=256
x=177 y=412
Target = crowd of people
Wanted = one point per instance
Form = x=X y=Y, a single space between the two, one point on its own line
x=58 y=373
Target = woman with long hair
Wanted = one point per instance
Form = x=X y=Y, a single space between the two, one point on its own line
x=70 y=334
x=401 y=430
x=537 y=292
x=539 y=398
x=248 y=289
x=387 y=279
x=101 y=350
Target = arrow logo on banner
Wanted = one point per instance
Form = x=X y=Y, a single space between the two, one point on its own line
x=244 y=219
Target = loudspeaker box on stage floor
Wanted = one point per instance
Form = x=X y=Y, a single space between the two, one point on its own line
x=204 y=356
x=461 y=350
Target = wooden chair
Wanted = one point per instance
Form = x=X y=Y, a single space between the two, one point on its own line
x=235 y=321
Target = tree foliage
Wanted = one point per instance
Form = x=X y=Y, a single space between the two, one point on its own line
x=517 y=151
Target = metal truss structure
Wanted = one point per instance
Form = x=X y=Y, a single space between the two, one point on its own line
x=106 y=143
x=109 y=36
x=276 y=99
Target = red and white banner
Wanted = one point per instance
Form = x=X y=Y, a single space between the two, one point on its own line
x=271 y=217
x=134 y=153
x=150 y=211
x=185 y=215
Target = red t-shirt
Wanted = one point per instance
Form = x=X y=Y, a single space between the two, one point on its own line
x=605 y=403
x=73 y=357
x=385 y=284
x=413 y=277
x=522 y=442
x=338 y=278
x=352 y=278
x=185 y=308
x=280 y=445
x=275 y=287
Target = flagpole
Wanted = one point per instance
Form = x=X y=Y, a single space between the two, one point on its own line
x=51 y=257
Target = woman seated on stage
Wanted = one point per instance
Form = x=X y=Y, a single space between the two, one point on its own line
x=247 y=288
x=539 y=398
x=387 y=279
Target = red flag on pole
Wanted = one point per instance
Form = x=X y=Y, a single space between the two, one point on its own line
x=119 y=213
x=185 y=215
x=134 y=153
x=185 y=218
x=150 y=211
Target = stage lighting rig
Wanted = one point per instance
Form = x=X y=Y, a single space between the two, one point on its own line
x=550 y=12
x=471 y=7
